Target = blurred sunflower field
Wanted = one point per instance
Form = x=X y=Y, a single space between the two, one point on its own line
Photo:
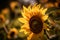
x=29 y=20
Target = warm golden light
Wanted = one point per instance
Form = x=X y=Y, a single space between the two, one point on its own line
x=33 y=19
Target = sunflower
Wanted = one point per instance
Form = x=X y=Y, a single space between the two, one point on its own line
x=2 y=19
x=12 y=33
x=33 y=19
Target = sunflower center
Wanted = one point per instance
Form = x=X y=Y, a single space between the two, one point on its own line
x=36 y=24
x=12 y=34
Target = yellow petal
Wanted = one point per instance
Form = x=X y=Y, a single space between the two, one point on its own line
x=38 y=6
x=22 y=20
x=34 y=6
x=46 y=26
x=44 y=11
x=29 y=7
x=24 y=15
x=41 y=11
x=25 y=28
x=28 y=15
x=25 y=9
x=30 y=36
x=45 y=17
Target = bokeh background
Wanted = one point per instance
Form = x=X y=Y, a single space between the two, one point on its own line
x=10 y=11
